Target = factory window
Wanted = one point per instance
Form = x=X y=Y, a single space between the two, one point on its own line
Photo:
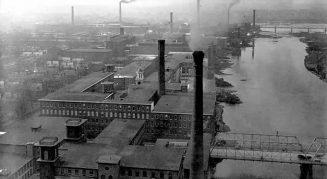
x=122 y=172
x=129 y=172
x=137 y=173
x=170 y=175
x=144 y=174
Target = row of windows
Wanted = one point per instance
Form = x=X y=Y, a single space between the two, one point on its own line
x=124 y=107
x=169 y=133
x=104 y=177
x=171 y=117
x=169 y=124
x=175 y=117
x=24 y=172
x=75 y=172
x=76 y=113
x=144 y=173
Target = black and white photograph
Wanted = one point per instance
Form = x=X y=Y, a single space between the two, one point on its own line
x=163 y=89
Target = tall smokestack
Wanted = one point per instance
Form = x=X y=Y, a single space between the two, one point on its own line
x=161 y=71
x=73 y=22
x=197 y=122
x=253 y=17
x=171 y=22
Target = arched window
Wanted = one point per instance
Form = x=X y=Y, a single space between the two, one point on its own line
x=103 y=177
x=110 y=177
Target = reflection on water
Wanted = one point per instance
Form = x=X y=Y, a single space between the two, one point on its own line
x=278 y=94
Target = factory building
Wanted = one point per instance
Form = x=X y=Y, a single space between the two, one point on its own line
x=98 y=128
x=103 y=55
x=118 y=43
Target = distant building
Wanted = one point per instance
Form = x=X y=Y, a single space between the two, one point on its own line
x=104 y=55
x=118 y=44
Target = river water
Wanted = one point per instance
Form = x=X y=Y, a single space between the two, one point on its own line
x=278 y=94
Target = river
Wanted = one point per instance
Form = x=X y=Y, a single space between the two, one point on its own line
x=278 y=94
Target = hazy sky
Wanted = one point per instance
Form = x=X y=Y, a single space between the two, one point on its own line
x=154 y=9
x=23 y=6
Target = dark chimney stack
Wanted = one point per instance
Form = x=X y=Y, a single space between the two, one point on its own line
x=253 y=17
x=197 y=122
x=171 y=22
x=73 y=20
x=121 y=30
x=161 y=70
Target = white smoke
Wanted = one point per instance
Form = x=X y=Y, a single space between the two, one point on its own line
x=127 y=1
x=233 y=3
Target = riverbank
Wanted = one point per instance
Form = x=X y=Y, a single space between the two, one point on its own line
x=278 y=95
x=316 y=59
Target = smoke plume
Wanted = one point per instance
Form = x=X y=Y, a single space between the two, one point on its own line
x=233 y=3
x=127 y=1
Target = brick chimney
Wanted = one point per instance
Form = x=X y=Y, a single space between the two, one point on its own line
x=161 y=70
x=197 y=122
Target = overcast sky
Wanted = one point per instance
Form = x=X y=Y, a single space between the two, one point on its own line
x=21 y=8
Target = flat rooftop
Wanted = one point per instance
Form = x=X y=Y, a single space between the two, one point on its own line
x=19 y=132
x=120 y=132
x=140 y=94
x=184 y=103
x=75 y=90
x=152 y=157
x=130 y=69
x=90 y=50
x=86 y=155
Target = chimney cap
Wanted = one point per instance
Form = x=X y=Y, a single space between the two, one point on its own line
x=198 y=57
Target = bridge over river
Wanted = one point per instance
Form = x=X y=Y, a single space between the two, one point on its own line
x=291 y=28
x=270 y=148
